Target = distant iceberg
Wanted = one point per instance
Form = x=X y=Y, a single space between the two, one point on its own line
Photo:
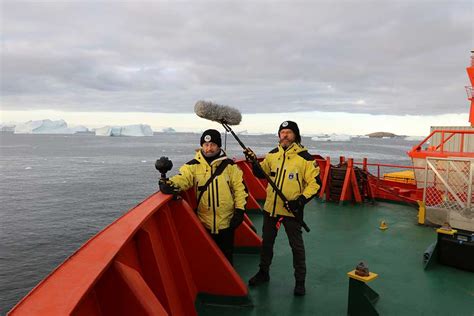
x=168 y=130
x=47 y=127
x=332 y=138
x=415 y=138
x=127 y=130
x=7 y=128
x=247 y=133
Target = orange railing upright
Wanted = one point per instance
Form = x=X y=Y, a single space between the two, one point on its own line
x=423 y=149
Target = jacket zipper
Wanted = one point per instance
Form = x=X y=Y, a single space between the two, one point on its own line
x=276 y=177
x=298 y=179
x=277 y=183
x=213 y=207
x=217 y=190
x=213 y=204
x=277 y=174
x=282 y=181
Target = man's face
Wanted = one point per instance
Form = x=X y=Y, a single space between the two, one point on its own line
x=210 y=149
x=287 y=137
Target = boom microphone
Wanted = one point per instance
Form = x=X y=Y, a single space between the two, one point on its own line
x=218 y=113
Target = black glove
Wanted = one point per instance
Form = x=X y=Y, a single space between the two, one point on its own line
x=237 y=219
x=297 y=207
x=299 y=215
x=167 y=187
x=250 y=155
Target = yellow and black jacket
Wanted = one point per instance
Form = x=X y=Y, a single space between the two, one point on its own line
x=294 y=171
x=224 y=194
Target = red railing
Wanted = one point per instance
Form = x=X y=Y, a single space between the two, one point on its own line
x=365 y=165
x=374 y=186
x=446 y=135
x=379 y=165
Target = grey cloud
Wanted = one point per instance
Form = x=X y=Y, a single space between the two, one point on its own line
x=382 y=57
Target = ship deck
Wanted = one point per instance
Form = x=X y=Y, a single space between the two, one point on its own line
x=341 y=237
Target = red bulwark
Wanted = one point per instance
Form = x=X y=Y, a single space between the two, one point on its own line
x=153 y=260
x=254 y=185
x=245 y=235
x=350 y=189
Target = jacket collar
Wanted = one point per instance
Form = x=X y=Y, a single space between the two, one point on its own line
x=200 y=157
x=293 y=149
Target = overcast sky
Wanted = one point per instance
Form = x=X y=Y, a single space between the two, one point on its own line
x=366 y=57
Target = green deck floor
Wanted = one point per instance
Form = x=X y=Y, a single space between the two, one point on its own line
x=341 y=237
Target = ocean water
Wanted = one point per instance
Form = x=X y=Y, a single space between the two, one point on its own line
x=57 y=191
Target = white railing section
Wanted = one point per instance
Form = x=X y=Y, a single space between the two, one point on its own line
x=448 y=190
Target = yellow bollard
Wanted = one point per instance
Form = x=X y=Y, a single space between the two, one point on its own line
x=421 y=212
x=362 y=298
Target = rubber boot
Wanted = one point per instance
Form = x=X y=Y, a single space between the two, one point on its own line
x=300 y=289
x=259 y=278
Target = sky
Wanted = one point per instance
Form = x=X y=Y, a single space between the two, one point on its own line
x=333 y=66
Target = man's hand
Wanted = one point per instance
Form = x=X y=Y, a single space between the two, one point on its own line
x=167 y=187
x=299 y=215
x=297 y=207
x=250 y=155
x=237 y=219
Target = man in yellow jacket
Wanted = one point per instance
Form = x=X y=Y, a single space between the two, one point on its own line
x=296 y=174
x=221 y=204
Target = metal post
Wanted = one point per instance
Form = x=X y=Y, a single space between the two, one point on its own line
x=448 y=210
x=447 y=180
x=442 y=141
x=469 y=188
x=426 y=181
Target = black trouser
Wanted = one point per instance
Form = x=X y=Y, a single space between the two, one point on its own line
x=295 y=238
x=225 y=241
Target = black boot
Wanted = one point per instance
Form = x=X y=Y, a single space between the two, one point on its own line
x=259 y=278
x=300 y=289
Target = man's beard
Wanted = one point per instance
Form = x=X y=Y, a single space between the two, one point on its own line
x=210 y=155
x=287 y=143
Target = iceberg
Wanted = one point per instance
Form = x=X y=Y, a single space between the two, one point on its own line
x=415 y=138
x=332 y=138
x=7 y=128
x=47 y=127
x=247 y=133
x=79 y=129
x=169 y=130
x=127 y=130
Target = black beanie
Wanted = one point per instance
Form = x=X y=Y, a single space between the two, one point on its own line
x=211 y=135
x=293 y=126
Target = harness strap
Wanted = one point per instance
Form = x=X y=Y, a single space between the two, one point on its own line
x=203 y=188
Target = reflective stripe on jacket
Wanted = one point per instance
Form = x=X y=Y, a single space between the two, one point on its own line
x=294 y=171
x=226 y=192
